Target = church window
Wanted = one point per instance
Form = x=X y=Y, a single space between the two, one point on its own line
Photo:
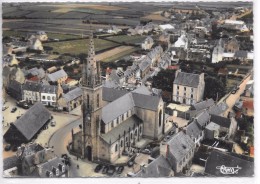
x=160 y=118
x=178 y=87
x=116 y=148
x=191 y=95
x=122 y=143
x=140 y=129
x=88 y=101
x=43 y=97
x=97 y=100
x=131 y=135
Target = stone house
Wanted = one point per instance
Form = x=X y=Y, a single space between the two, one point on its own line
x=35 y=44
x=57 y=77
x=232 y=45
x=188 y=88
x=49 y=95
x=180 y=151
x=71 y=100
x=31 y=92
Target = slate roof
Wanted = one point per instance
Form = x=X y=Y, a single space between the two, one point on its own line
x=202 y=118
x=32 y=86
x=203 y=105
x=145 y=63
x=57 y=75
x=51 y=89
x=136 y=98
x=221 y=121
x=241 y=54
x=193 y=130
x=218 y=158
x=113 y=135
x=36 y=72
x=212 y=126
x=111 y=94
x=180 y=145
x=218 y=108
x=159 y=167
x=73 y=94
x=10 y=162
x=187 y=79
x=117 y=107
x=32 y=121
x=48 y=166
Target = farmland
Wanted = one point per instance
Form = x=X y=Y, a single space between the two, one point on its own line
x=79 y=46
x=127 y=39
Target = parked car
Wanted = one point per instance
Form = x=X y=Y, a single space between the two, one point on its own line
x=98 y=168
x=104 y=170
x=22 y=104
x=111 y=170
x=130 y=163
x=120 y=169
x=146 y=151
x=8 y=147
x=4 y=108
x=53 y=123
x=14 y=109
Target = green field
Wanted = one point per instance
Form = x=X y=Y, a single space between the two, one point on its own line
x=128 y=39
x=120 y=55
x=79 y=46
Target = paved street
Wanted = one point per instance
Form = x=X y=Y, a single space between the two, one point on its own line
x=232 y=98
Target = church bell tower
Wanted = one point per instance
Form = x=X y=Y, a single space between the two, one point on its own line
x=91 y=85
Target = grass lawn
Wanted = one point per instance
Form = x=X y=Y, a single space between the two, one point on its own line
x=61 y=36
x=79 y=46
x=128 y=39
x=14 y=33
x=120 y=55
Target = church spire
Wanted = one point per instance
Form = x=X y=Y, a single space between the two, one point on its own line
x=91 y=75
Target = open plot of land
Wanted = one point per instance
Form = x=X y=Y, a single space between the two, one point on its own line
x=121 y=54
x=155 y=16
x=127 y=39
x=114 y=52
x=79 y=46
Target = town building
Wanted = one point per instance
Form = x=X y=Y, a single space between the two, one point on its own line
x=110 y=130
x=31 y=92
x=26 y=128
x=148 y=43
x=71 y=100
x=35 y=44
x=32 y=160
x=188 y=88
x=57 y=77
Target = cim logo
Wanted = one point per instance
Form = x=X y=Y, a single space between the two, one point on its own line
x=228 y=170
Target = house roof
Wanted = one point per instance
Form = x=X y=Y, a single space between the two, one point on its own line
x=36 y=72
x=212 y=126
x=218 y=108
x=48 y=166
x=146 y=62
x=180 y=145
x=218 y=159
x=203 y=105
x=187 y=79
x=73 y=94
x=32 y=121
x=51 y=89
x=202 y=118
x=241 y=54
x=10 y=162
x=57 y=75
x=159 y=167
x=113 y=135
x=146 y=101
x=32 y=86
x=221 y=121
x=193 y=130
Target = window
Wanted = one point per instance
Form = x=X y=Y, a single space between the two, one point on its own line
x=140 y=130
x=191 y=89
x=112 y=124
x=160 y=118
x=131 y=136
x=117 y=120
x=116 y=148
x=48 y=97
x=122 y=143
x=97 y=100
x=191 y=95
x=53 y=98
x=177 y=92
x=184 y=88
x=126 y=139
x=88 y=101
x=178 y=87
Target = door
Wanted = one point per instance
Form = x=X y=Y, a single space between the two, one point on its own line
x=89 y=153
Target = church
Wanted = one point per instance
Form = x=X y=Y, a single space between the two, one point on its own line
x=114 y=120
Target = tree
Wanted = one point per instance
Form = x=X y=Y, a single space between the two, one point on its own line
x=214 y=88
x=164 y=80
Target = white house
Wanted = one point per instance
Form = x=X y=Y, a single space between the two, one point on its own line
x=148 y=43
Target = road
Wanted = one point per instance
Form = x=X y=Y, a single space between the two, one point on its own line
x=60 y=138
x=232 y=98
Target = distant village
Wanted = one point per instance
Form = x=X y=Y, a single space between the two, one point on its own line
x=185 y=99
